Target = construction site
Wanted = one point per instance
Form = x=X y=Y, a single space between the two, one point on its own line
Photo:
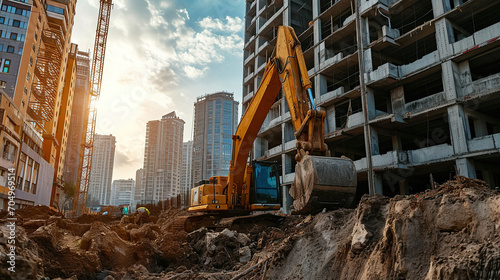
x=368 y=148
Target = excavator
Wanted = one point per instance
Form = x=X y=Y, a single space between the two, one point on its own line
x=320 y=181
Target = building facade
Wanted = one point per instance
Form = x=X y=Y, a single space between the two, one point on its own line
x=187 y=171
x=36 y=73
x=163 y=158
x=431 y=70
x=79 y=110
x=139 y=188
x=215 y=121
x=122 y=192
x=101 y=173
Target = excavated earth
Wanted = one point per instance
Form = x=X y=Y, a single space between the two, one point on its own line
x=452 y=232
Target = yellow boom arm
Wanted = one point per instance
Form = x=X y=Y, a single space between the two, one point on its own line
x=287 y=70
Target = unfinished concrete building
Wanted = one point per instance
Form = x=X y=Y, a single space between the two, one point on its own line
x=432 y=75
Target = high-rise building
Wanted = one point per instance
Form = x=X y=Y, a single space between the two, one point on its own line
x=101 y=173
x=431 y=74
x=187 y=168
x=63 y=123
x=163 y=158
x=215 y=121
x=36 y=73
x=77 y=126
x=122 y=192
x=139 y=188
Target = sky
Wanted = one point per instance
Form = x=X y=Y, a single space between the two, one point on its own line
x=160 y=56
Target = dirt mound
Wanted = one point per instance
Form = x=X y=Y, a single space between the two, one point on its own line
x=447 y=233
x=37 y=213
x=451 y=232
x=88 y=219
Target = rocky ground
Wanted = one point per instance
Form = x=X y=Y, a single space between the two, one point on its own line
x=452 y=232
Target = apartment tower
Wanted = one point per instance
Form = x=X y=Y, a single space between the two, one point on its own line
x=139 y=188
x=101 y=173
x=163 y=158
x=215 y=122
x=431 y=75
x=187 y=171
x=122 y=192
x=36 y=74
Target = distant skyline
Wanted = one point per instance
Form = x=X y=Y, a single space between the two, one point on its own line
x=161 y=55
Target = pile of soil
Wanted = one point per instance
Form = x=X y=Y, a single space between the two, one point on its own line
x=37 y=212
x=451 y=232
x=88 y=219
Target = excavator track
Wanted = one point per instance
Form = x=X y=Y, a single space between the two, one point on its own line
x=221 y=221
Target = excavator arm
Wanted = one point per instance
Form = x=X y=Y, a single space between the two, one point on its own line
x=286 y=70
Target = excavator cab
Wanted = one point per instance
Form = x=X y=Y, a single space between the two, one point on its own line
x=266 y=188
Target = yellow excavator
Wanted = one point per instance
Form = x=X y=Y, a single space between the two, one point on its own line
x=320 y=181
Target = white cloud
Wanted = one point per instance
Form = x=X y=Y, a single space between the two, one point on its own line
x=193 y=72
x=232 y=24
x=155 y=51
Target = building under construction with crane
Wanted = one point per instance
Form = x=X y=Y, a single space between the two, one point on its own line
x=85 y=165
x=38 y=77
x=40 y=70
x=431 y=78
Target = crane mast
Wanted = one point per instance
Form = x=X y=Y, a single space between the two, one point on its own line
x=85 y=164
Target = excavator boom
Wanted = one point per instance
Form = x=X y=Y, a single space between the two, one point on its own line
x=321 y=181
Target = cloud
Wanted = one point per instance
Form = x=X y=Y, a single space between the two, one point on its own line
x=193 y=72
x=232 y=24
x=121 y=158
x=160 y=56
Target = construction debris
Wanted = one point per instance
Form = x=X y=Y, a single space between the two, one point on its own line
x=451 y=232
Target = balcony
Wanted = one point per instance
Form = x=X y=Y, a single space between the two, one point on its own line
x=485 y=143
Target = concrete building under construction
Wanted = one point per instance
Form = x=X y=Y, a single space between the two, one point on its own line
x=432 y=79
x=77 y=118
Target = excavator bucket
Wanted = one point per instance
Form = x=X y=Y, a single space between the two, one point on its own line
x=323 y=182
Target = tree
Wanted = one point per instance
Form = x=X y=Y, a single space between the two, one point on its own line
x=69 y=194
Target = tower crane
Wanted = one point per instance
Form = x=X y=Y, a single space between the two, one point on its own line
x=85 y=164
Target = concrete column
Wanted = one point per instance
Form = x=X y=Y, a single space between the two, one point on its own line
x=315 y=8
x=370 y=100
x=317 y=48
x=466 y=167
x=451 y=80
x=365 y=30
x=322 y=84
x=316 y=81
x=374 y=138
x=287 y=200
x=457 y=121
x=398 y=100
x=444 y=38
x=378 y=184
x=466 y=87
x=330 y=124
x=396 y=143
x=288 y=132
x=259 y=147
x=286 y=14
x=439 y=7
